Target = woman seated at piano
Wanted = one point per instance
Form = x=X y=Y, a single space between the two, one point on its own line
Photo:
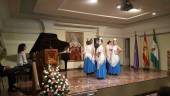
x=22 y=59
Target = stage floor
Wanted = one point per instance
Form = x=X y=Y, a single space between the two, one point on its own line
x=82 y=83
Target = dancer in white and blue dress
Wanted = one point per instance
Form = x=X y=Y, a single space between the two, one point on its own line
x=109 y=48
x=89 y=64
x=114 y=68
x=101 y=61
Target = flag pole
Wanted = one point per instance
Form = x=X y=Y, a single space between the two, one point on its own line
x=145 y=53
x=136 y=55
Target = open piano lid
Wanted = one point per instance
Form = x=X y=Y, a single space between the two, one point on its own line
x=47 y=41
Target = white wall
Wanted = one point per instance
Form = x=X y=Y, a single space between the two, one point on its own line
x=109 y=33
x=16 y=31
x=161 y=25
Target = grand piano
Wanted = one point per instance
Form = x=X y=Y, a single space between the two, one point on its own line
x=48 y=43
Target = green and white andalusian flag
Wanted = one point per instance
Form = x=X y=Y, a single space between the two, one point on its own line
x=155 y=52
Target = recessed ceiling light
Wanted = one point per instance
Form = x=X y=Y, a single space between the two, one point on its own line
x=154 y=13
x=92 y=1
x=118 y=6
x=134 y=10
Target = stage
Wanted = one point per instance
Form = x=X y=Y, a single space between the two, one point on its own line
x=128 y=81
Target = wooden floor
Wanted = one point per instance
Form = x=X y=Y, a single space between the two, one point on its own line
x=81 y=83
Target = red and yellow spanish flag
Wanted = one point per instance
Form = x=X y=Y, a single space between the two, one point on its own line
x=145 y=52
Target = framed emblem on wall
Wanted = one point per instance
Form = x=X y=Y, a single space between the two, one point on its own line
x=76 y=41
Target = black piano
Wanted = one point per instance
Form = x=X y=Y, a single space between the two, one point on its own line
x=49 y=40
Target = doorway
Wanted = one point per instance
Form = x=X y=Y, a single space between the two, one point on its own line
x=127 y=51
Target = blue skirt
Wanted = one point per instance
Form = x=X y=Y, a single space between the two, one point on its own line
x=116 y=70
x=101 y=72
x=89 y=66
x=107 y=65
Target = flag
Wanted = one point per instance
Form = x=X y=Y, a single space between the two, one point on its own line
x=145 y=52
x=136 y=55
x=155 y=52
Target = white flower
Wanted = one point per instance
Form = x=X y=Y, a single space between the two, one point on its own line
x=61 y=82
x=45 y=76
x=45 y=72
x=56 y=86
x=64 y=86
x=58 y=80
x=51 y=88
x=49 y=81
x=66 y=83
x=55 y=93
x=55 y=73
x=44 y=91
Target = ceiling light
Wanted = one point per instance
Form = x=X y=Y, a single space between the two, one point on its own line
x=134 y=10
x=118 y=6
x=154 y=13
x=92 y=1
